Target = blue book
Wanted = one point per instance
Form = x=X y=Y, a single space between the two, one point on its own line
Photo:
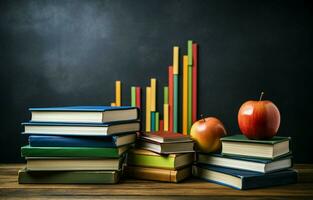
x=246 y=163
x=84 y=114
x=242 y=180
x=77 y=141
x=80 y=129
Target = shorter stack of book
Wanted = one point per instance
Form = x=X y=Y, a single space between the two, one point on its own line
x=247 y=164
x=85 y=144
x=161 y=156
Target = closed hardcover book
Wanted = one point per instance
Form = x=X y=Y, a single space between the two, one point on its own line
x=80 y=129
x=156 y=174
x=84 y=114
x=165 y=137
x=240 y=179
x=245 y=163
x=81 y=141
x=240 y=145
x=144 y=158
x=28 y=151
x=65 y=177
x=165 y=148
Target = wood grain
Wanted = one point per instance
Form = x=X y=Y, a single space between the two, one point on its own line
x=139 y=189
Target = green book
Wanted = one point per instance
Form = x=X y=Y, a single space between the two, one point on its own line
x=144 y=158
x=240 y=145
x=28 y=151
x=89 y=177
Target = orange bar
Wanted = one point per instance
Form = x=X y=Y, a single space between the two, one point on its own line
x=185 y=95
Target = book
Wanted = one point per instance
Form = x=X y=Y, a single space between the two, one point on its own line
x=157 y=174
x=72 y=164
x=165 y=137
x=79 y=129
x=84 y=114
x=165 y=148
x=240 y=179
x=96 y=152
x=87 y=177
x=144 y=158
x=81 y=141
x=242 y=163
x=241 y=146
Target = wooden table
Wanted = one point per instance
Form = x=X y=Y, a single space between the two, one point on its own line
x=138 y=189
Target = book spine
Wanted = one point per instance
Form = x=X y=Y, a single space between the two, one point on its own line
x=165 y=110
x=152 y=122
x=150 y=174
x=194 y=82
x=157 y=121
x=133 y=96
x=170 y=97
x=185 y=95
x=118 y=93
x=189 y=118
x=148 y=112
x=166 y=117
x=138 y=97
x=176 y=86
x=153 y=95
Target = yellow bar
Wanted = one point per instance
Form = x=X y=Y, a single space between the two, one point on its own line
x=175 y=59
x=118 y=93
x=153 y=94
x=165 y=117
x=148 y=111
x=185 y=95
x=113 y=104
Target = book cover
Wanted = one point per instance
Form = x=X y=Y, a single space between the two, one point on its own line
x=81 y=141
x=165 y=137
x=66 y=177
x=82 y=108
x=240 y=179
x=242 y=138
x=156 y=174
x=28 y=151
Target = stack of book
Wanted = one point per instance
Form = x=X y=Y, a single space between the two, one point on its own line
x=247 y=164
x=85 y=144
x=161 y=156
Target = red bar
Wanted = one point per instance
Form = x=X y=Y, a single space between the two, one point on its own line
x=170 y=97
x=161 y=126
x=138 y=97
x=194 y=81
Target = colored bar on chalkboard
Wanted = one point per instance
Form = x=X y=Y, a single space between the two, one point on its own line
x=185 y=95
x=166 y=117
x=170 y=97
x=118 y=93
x=189 y=52
x=153 y=94
x=189 y=98
x=148 y=112
x=133 y=96
x=113 y=104
x=175 y=60
x=165 y=91
x=175 y=104
x=152 y=121
x=194 y=82
x=161 y=126
x=157 y=121
x=138 y=97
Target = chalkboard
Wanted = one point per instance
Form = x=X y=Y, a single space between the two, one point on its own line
x=58 y=53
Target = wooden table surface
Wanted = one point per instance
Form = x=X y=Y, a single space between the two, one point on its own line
x=139 y=189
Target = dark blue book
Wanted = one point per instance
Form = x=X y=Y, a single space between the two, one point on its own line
x=80 y=129
x=242 y=180
x=84 y=114
x=77 y=141
x=246 y=163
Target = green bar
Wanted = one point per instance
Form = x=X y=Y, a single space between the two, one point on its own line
x=175 y=104
x=157 y=121
x=152 y=127
x=189 y=52
x=189 y=115
x=133 y=96
x=165 y=95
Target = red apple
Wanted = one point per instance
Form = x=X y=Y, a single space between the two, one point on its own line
x=207 y=133
x=259 y=119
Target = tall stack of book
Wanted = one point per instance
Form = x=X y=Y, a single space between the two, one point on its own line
x=161 y=156
x=247 y=164
x=80 y=144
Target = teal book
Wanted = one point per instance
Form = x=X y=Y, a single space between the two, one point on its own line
x=28 y=151
x=240 y=145
x=87 y=177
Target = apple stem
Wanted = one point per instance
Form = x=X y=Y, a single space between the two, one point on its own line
x=261 y=96
x=201 y=116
